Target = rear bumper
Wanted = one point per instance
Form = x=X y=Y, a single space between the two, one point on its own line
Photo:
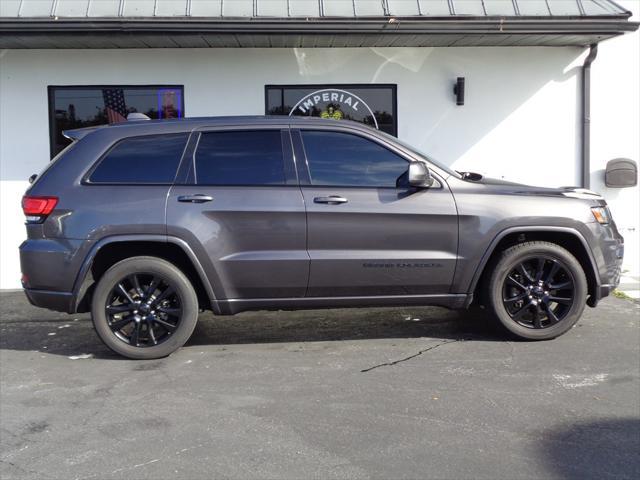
x=58 y=301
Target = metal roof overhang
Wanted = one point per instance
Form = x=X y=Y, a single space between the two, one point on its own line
x=189 y=32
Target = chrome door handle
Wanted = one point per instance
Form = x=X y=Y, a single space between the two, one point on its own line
x=331 y=200
x=197 y=198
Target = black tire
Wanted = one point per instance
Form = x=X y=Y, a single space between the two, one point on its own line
x=536 y=290
x=152 y=315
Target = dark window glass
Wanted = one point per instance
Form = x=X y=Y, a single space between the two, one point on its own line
x=78 y=107
x=240 y=158
x=373 y=105
x=150 y=159
x=349 y=160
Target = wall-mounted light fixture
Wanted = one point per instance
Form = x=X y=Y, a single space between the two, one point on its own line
x=458 y=91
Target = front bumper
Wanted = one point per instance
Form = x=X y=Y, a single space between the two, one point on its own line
x=608 y=251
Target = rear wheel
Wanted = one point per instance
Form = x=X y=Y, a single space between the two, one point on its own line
x=537 y=290
x=144 y=308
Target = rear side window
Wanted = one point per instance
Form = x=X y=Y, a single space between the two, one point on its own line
x=343 y=159
x=139 y=160
x=247 y=157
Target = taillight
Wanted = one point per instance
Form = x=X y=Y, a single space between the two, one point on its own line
x=36 y=209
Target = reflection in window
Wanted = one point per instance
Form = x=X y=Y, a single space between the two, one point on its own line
x=139 y=160
x=373 y=105
x=349 y=160
x=79 y=107
x=240 y=158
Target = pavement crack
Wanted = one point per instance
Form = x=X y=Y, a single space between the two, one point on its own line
x=425 y=350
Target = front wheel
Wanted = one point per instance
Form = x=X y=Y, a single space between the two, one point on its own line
x=537 y=290
x=144 y=308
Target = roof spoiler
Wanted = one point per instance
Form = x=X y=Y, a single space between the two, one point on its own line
x=76 y=134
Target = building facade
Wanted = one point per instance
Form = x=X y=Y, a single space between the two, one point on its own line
x=390 y=64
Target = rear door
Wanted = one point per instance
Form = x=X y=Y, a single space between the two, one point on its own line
x=240 y=208
x=369 y=233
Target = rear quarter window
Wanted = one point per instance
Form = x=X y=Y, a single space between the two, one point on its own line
x=151 y=159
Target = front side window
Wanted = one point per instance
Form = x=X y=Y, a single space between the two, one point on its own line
x=138 y=160
x=240 y=158
x=79 y=107
x=336 y=158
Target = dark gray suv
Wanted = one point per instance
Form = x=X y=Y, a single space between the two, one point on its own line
x=145 y=223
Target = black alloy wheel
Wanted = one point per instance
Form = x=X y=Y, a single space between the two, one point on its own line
x=538 y=292
x=143 y=309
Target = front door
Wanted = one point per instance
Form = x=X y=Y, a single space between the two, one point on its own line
x=243 y=214
x=368 y=232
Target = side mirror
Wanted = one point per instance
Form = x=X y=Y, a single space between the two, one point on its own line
x=419 y=175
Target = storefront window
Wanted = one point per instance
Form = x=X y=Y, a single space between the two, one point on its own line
x=78 y=107
x=373 y=105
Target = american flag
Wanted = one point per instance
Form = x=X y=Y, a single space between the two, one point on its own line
x=114 y=105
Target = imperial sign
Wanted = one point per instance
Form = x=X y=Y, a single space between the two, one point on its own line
x=332 y=103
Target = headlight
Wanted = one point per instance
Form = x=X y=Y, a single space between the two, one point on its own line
x=601 y=215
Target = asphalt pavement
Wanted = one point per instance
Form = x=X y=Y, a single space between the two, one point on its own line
x=371 y=393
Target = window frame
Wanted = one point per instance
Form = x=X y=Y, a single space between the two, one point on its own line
x=342 y=86
x=86 y=178
x=187 y=174
x=51 y=90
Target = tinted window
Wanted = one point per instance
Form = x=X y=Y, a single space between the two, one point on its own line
x=240 y=158
x=150 y=159
x=344 y=159
x=78 y=107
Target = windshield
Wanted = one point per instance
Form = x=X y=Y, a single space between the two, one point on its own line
x=419 y=153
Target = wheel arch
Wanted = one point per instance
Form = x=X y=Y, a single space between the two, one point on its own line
x=566 y=237
x=112 y=249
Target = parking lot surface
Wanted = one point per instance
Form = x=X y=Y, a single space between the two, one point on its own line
x=371 y=393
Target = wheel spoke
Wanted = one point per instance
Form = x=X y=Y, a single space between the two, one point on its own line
x=562 y=300
x=124 y=307
x=151 y=333
x=135 y=335
x=174 y=312
x=136 y=285
x=163 y=295
x=524 y=273
x=520 y=313
x=166 y=325
x=561 y=286
x=119 y=324
x=537 y=317
x=551 y=314
x=554 y=269
x=522 y=296
x=515 y=283
x=540 y=269
x=124 y=292
x=155 y=281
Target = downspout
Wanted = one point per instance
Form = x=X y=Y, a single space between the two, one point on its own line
x=585 y=150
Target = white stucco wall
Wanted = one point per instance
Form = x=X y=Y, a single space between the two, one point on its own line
x=615 y=129
x=520 y=120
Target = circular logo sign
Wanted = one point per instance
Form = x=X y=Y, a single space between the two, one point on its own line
x=335 y=104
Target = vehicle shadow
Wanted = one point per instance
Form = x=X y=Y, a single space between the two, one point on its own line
x=343 y=324
x=26 y=328
x=599 y=449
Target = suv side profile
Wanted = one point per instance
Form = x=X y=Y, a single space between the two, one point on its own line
x=145 y=223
